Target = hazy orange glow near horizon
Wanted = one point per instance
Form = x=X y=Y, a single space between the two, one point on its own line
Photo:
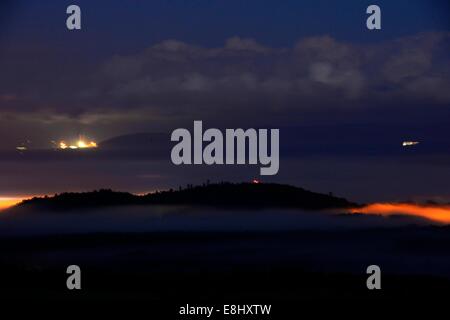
x=435 y=213
x=7 y=202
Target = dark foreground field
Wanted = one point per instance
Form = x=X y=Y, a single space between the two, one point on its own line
x=219 y=267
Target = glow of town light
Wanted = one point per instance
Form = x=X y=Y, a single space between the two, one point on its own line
x=436 y=213
x=79 y=144
x=8 y=202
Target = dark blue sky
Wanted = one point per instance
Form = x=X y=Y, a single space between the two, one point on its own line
x=127 y=26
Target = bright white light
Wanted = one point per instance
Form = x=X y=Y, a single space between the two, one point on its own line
x=410 y=143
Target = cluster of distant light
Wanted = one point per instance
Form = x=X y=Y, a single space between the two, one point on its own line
x=80 y=144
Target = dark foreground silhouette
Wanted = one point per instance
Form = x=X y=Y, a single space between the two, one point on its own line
x=230 y=267
x=225 y=267
x=222 y=195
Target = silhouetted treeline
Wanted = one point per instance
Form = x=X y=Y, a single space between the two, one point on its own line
x=222 y=195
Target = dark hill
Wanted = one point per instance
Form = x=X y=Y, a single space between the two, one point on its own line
x=223 y=195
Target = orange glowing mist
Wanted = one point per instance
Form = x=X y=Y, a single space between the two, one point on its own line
x=6 y=203
x=435 y=213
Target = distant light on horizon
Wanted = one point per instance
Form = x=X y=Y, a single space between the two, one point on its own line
x=80 y=144
x=409 y=143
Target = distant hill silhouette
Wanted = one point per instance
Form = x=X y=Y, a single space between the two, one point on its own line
x=222 y=195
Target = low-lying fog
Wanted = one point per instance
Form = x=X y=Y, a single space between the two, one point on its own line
x=160 y=218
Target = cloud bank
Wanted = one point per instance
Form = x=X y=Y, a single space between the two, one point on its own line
x=173 y=81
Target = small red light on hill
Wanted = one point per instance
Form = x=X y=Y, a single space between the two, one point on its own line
x=256 y=181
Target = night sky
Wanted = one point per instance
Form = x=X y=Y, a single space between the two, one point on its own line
x=343 y=97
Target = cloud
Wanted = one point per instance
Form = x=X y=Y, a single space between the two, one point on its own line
x=243 y=80
x=5 y=98
x=242 y=44
x=172 y=71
